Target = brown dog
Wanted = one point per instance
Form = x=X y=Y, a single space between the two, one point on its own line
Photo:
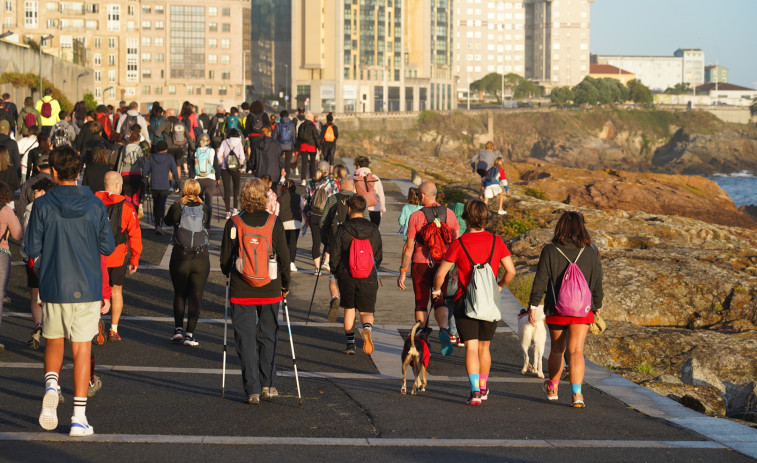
x=418 y=359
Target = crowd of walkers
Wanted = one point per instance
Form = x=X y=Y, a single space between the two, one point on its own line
x=86 y=175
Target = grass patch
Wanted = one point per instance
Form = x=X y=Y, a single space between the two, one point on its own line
x=515 y=226
x=452 y=195
x=644 y=367
x=536 y=193
x=427 y=116
x=521 y=288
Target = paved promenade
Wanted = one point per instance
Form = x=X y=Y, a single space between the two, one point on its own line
x=163 y=401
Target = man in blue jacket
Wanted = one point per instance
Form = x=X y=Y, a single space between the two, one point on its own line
x=69 y=230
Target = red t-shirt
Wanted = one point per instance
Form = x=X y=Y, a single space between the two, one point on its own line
x=479 y=246
x=414 y=225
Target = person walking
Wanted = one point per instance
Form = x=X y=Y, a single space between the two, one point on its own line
x=253 y=126
x=309 y=141
x=11 y=112
x=94 y=172
x=130 y=118
x=25 y=146
x=358 y=281
x=157 y=116
x=413 y=204
x=230 y=157
x=329 y=136
x=190 y=261
x=369 y=186
x=69 y=227
x=424 y=266
x=290 y=213
x=8 y=172
x=266 y=158
x=176 y=134
x=255 y=307
x=286 y=134
x=205 y=173
x=128 y=239
x=158 y=167
x=49 y=110
x=571 y=243
x=10 y=227
x=130 y=165
x=474 y=247
x=14 y=157
x=315 y=202
x=28 y=117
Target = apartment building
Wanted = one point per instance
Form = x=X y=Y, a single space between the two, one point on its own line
x=715 y=73
x=661 y=72
x=546 y=41
x=146 y=50
x=355 y=55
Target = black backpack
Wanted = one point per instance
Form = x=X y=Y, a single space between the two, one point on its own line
x=257 y=122
x=337 y=215
x=218 y=130
x=115 y=212
x=126 y=126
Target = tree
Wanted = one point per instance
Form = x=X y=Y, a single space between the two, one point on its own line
x=89 y=100
x=681 y=88
x=600 y=91
x=490 y=83
x=639 y=93
x=561 y=95
x=520 y=87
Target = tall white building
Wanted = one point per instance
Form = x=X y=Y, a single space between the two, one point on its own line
x=661 y=72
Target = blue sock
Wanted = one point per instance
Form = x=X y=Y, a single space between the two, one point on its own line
x=575 y=388
x=473 y=379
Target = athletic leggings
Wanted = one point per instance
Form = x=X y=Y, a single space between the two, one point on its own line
x=208 y=188
x=133 y=188
x=308 y=164
x=315 y=231
x=159 y=198
x=230 y=178
x=292 y=237
x=189 y=273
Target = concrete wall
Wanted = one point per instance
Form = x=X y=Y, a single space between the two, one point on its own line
x=62 y=74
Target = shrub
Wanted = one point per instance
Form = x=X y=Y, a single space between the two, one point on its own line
x=536 y=193
x=427 y=116
x=521 y=288
x=514 y=227
x=452 y=195
x=644 y=367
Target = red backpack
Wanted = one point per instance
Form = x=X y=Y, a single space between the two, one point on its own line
x=361 y=258
x=47 y=109
x=365 y=185
x=30 y=119
x=255 y=252
x=436 y=234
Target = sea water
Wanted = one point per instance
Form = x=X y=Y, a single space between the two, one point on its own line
x=741 y=187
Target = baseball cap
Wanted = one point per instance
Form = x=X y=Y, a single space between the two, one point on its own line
x=43 y=161
x=5 y=126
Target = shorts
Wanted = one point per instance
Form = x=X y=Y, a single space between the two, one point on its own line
x=423 y=281
x=470 y=328
x=75 y=321
x=117 y=275
x=32 y=279
x=358 y=294
x=492 y=191
x=481 y=172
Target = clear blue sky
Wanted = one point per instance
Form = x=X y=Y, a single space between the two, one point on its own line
x=724 y=29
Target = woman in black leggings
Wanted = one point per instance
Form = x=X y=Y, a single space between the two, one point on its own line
x=290 y=214
x=190 y=262
x=230 y=176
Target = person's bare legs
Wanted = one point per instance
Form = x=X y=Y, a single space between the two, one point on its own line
x=35 y=308
x=557 y=349
x=501 y=200
x=576 y=341
x=334 y=288
x=82 y=353
x=116 y=304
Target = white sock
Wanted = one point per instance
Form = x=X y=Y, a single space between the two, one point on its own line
x=51 y=380
x=114 y=328
x=80 y=407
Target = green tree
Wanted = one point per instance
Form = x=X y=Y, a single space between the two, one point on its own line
x=681 y=88
x=600 y=91
x=586 y=92
x=490 y=83
x=89 y=100
x=639 y=93
x=561 y=95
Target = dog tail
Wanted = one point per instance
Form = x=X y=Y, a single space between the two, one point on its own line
x=412 y=333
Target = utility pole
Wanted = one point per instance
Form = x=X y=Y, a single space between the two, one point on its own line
x=41 y=43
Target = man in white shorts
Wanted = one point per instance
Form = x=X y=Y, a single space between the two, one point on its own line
x=69 y=227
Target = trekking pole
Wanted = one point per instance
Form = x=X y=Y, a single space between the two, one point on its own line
x=218 y=201
x=225 y=331
x=291 y=345
x=317 y=276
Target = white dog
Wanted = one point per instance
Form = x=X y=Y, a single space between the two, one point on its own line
x=536 y=334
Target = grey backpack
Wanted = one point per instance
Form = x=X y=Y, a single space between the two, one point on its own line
x=482 y=301
x=191 y=234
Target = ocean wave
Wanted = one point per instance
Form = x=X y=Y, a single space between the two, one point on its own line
x=741 y=174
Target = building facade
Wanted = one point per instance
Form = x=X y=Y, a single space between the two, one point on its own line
x=607 y=71
x=354 y=55
x=146 y=50
x=661 y=72
x=715 y=73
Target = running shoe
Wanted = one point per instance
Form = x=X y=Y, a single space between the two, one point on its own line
x=501 y=212
x=100 y=337
x=333 y=309
x=549 y=392
x=367 y=342
x=36 y=337
x=190 y=341
x=325 y=266
x=61 y=399
x=475 y=398
x=350 y=349
x=292 y=267
x=485 y=394
x=269 y=393
x=253 y=399
x=113 y=336
x=94 y=386
x=578 y=401
x=453 y=338
x=80 y=428
x=48 y=417
x=447 y=348
x=178 y=335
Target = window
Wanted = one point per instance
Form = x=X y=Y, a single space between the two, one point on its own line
x=211 y=74
x=158 y=9
x=225 y=43
x=146 y=73
x=159 y=25
x=97 y=59
x=158 y=41
x=51 y=24
x=160 y=57
x=212 y=43
x=208 y=90
x=130 y=91
x=222 y=90
x=93 y=25
x=212 y=59
x=145 y=90
x=212 y=10
x=111 y=60
x=226 y=27
x=130 y=26
x=132 y=59
x=145 y=57
x=172 y=90
x=114 y=17
x=31 y=12
x=190 y=90
x=146 y=24
x=213 y=27
x=225 y=75
x=66 y=41
x=225 y=59
x=146 y=41
x=98 y=93
x=111 y=43
x=226 y=12
x=93 y=8
x=50 y=6
x=98 y=76
x=98 y=42
x=158 y=89
x=111 y=76
x=146 y=9
x=130 y=10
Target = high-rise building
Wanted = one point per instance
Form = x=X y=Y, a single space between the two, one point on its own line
x=355 y=55
x=543 y=40
x=715 y=73
x=146 y=50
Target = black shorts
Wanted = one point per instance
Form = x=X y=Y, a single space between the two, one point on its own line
x=32 y=280
x=358 y=294
x=470 y=328
x=117 y=275
x=554 y=327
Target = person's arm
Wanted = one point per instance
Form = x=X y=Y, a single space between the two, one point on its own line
x=145 y=129
x=326 y=209
x=507 y=263
x=407 y=254
x=175 y=171
x=146 y=166
x=13 y=224
x=33 y=236
x=229 y=247
x=220 y=153
x=442 y=272
x=282 y=254
x=597 y=292
x=541 y=279
x=173 y=216
x=380 y=193
x=378 y=251
x=135 y=236
x=336 y=133
x=453 y=224
x=335 y=251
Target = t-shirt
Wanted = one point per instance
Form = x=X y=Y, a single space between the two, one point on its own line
x=479 y=245
x=414 y=225
x=500 y=176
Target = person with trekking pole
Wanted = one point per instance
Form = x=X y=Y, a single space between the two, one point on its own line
x=255 y=256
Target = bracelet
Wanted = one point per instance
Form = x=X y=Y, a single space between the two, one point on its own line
x=403 y=270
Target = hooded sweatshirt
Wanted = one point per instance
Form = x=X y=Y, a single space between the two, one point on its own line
x=70 y=227
x=160 y=164
x=267 y=158
x=129 y=224
x=54 y=114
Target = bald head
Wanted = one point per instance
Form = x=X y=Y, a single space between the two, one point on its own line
x=428 y=192
x=170 y=112
x=113 y=182
x=347 y=184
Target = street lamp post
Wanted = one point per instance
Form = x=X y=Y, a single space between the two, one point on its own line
x=85 y=73
x=286 y=87
x=106 y=91
x=41 y=43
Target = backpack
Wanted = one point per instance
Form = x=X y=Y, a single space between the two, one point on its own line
x=285 y=133
x=319 y=199
x=191 y=233
x=126 y=126
x=337 y=215
x=257 y=122
x=132 y=155
x=232 y=122
x=179 y=134
x=256 y=252
x=366 y=187
x=203 y=162
x=492 y=176
x=47 y=109
x=298 y=124
x=115 y=213
x=218 y=130
x=232 y=161
x=60 y=135
x=29 y=120
x=154 y=124
x=361 y=258
x=435 y=234
x=574 y=298
x=482 y=301
x=113 y=154
x=328 y=136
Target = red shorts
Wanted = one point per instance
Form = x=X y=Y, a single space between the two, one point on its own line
x=423 y=281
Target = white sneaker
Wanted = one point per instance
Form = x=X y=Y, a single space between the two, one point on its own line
x=80 y=428
x=296 y=171
x=326 y=267
x=304 y=182
x=48 y=418
x=292 y=267
x=501 y=212
x=178 y=335
x=190 y=341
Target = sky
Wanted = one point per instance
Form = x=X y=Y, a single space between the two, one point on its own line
x=724 y=29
